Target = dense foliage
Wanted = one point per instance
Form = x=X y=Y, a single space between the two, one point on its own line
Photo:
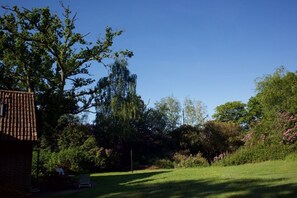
x=231 y=111
x=41 y=53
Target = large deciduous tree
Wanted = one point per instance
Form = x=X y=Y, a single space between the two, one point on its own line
x=231 y=112
x=194 y=112
x=254 y=112
x=277 y=97
x=186 y=139
x=118 y=105
x=170 y=108
x=278 y=92
x=219 y=137
x=41 y=52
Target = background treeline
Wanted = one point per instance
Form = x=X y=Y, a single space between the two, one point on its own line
x=41 y=52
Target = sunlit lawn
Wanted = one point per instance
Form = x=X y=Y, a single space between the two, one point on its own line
x=269 y=179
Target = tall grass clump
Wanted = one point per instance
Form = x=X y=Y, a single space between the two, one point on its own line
x=292 y=157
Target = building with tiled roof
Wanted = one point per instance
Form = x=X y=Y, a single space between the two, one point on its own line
x=17 y=135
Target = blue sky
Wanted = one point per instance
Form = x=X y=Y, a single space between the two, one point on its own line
x=210 y=51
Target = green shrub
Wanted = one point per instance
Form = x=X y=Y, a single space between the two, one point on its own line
x=47 y=162
x=164 y=163
x=187 y=161
x=88 y=157
x=71 y=159
x=258 y=153
x=50 y=160
x=99 y=158
x=182 y=160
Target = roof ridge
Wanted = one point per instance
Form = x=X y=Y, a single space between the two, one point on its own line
x=12 y=91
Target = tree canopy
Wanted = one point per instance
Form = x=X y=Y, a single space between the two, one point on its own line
x=41 y=52
x=117 y=101
x=231 y=112
x=278 y=91
x=171 y=110
x=194 y=112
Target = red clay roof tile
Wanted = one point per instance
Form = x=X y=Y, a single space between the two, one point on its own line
x=18 y=121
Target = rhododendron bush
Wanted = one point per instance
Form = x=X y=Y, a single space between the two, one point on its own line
x=290 y=132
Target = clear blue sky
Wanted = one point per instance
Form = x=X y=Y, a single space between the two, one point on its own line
x=205 y=50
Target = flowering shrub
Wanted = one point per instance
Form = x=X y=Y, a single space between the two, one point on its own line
x=290 y=132
x=220 y=157
x=247 y=137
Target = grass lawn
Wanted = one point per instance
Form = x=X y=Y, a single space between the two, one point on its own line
x=268 y=179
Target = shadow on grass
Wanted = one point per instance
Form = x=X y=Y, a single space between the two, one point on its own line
x=142 y=185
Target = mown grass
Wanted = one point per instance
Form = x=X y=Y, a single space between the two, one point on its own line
x=267 y=179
